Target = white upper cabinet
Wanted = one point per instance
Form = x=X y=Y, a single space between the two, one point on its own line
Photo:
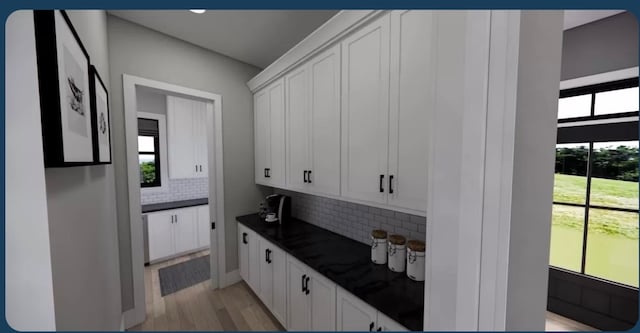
x=365 y=112
x=262 y=127
x=269 y=117
x=411 y=100
x=357 y=115
x=324 y=170
x=313 y=124
x=297 y=125
x=186 y=138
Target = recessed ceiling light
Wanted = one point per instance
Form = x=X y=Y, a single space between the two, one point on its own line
x=198 y=11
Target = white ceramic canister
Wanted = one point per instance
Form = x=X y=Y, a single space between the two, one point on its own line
x=397 y=253
x=379 y=247
x=415 y=260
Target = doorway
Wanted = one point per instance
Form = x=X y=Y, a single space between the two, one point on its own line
x=156 y=174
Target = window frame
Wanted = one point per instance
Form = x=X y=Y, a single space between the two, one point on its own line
x=156 y=154
x=162 y=141
x=581 y=130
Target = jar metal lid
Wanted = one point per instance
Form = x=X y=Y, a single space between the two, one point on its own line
x=416 y=245
x=397 y=240
x=379 y=234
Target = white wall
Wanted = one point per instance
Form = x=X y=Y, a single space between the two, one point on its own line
x=28 y=280
x=151 y=101
x=82 y=220
x=142 y=52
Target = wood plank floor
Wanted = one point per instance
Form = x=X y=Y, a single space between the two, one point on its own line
x=235 y=308
x=200 y=308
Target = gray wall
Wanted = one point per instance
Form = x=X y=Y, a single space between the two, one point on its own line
x=28 y=281
x=353 y=220
x=602 y=46
x=82 y=220
x=151 y=101
x=139 y=51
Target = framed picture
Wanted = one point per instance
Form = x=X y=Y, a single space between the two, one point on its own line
x=100 y=119
x=63 y=75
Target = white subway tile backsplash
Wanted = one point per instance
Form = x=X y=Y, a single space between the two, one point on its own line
x=352 y=220
x=179 y=189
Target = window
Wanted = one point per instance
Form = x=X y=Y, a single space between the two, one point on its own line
x=149 y=152
x=595 y=213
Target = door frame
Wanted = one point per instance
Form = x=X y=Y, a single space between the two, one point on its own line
x=216 y=185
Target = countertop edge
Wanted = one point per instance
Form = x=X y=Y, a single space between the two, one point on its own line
x=157 y=207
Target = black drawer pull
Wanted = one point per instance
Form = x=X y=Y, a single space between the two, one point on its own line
x=371 y=327
x=244 y=238
x=391 y=184
x=304 y=176
x=309 y=176
x=303 y=277
x=307 y=286
x=381 y=180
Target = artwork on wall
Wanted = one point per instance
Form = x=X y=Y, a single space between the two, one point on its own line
x=100 y=119
x=64 y=81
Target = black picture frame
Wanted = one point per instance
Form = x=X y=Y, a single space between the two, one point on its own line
x=63 y=83
x=100 y=118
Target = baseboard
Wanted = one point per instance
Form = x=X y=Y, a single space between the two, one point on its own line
x=231 y=278
x=129 y=319
x=122 y=323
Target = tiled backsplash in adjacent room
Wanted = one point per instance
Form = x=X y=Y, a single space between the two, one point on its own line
x=353 y=220
x=179 y=189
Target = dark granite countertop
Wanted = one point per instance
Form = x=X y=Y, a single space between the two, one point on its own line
x=348 y=264
x=174 y=205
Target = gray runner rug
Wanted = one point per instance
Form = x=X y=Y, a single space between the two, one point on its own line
x=183 y=275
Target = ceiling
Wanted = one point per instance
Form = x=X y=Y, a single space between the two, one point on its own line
x=574 y=18
x=257 y=37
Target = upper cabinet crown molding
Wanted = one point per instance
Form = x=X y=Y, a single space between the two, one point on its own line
x=327 y=34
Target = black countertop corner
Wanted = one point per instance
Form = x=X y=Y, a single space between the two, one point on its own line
x=174 y=205
x=347 y=263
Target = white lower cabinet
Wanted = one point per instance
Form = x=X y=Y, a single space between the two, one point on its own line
x=311 y=299
x=174 y=231
x=353 y=314
x=299 y=297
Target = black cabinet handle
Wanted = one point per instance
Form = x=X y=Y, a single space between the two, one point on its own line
x=304 y=176
x=371 y=327
x=381 y=180
x=390 y=184
x=196 y=168
x=303 y=277
x=176 y=218
x=309 y=176
x=268 y=170
x=307 y=286
x=265 y=172
x=266 y=255
x=244 y=238
x=379 y=329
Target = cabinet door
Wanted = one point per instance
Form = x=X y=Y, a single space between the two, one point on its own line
x=276 y=159
x=160 y=228
x=322 y=302
x=297 y=125
x=254 y=261
x=262 y=128
x=324 y=109
x=297 y=300
x=200 y=138
x=352 y=314
x=243 y=252
x=204 y=228
x=389 y=325
x=184 y=230
x=411 y=101
x=181 y=149
x=365 y=112
x=279 y=263
x=266 y=274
